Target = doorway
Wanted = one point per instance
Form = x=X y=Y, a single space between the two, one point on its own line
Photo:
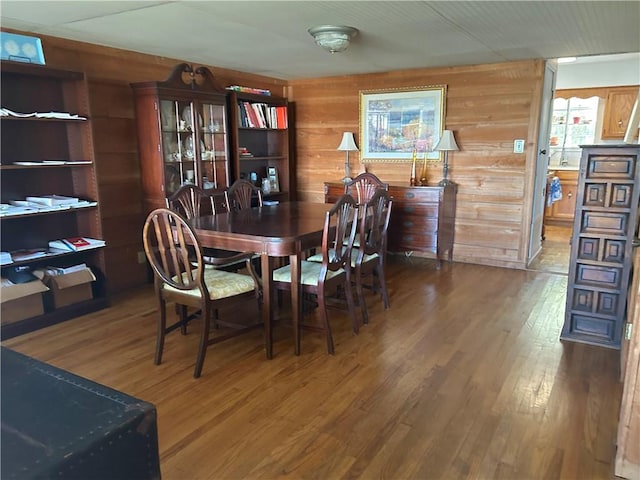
x=556 y=250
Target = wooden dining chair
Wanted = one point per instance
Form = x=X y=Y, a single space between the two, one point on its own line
x=364 y=186
x=326 y=277
x=241 y=193
x=192 y=201
x=369 y=259
x=180 y=276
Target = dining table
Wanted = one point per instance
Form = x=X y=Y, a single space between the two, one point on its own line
x=287 y=229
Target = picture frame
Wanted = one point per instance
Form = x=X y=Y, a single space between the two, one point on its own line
x=395 y=122
x=21 y=48
x=272 y=175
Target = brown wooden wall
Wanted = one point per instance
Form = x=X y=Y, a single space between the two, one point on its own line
x=488 y=106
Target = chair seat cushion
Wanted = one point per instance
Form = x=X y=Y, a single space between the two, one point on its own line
x=309 y=273
x=354 y=257
x=220 y=284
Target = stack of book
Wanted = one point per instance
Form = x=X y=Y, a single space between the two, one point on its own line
x=76 y=244
x=257 y=91
x=44 y=203
x=244 y=152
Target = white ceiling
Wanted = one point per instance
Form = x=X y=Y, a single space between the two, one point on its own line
x=270 y=37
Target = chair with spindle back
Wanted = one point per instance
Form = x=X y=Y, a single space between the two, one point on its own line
x=241 y=193
x=180 y=276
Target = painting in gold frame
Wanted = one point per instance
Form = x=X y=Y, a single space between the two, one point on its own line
x=395 y=122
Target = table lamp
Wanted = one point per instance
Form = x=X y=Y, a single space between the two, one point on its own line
x=446 y=144
x=347 y=144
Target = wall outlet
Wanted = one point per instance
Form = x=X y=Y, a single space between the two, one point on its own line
x=142 y=258
x=518 y=146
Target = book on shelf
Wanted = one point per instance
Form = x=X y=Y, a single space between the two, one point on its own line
x=28 y=254
x=76 y=244
x=281 y=117
x=53 y=200
x=5 y=258
x=65 y=270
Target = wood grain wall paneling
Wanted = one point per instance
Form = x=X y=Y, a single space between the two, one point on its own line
x=487 y=107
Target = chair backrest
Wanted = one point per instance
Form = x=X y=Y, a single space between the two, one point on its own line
x=374 y=224
x=173 y=251
x=340 y=225
x=364 y=186
x=240 y=195
x=192 y=201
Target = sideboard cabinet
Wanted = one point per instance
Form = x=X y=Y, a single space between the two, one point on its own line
x=422 y=218
x=604 y=228
x=183 y=138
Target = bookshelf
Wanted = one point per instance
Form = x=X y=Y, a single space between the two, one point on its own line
x=260 y=132
x=48 y=155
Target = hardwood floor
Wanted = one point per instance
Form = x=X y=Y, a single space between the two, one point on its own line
x=464 y=377
x=556 y=250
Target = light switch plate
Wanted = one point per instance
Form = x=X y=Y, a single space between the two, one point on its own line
x=518 y=146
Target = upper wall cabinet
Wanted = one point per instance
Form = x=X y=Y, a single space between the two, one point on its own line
x=182 y=133
x=617 y=111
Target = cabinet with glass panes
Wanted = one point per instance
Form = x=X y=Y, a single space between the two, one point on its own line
x=573 y=124
x=182 y=133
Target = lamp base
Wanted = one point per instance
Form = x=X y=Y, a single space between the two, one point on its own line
x=346 y=179
x=444 y=182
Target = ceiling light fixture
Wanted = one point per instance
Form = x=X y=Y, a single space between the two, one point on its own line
x=333 y=38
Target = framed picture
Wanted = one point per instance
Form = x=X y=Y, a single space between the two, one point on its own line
x=272 y=174
x=395 y=122
x=21 y=48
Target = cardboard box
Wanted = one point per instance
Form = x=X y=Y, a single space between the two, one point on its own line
x=70 y=288
x=20 y=301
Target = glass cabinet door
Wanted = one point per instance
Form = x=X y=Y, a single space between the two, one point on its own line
x=194 y=144
x=213 y=168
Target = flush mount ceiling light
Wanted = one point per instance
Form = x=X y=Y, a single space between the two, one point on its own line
x=333 y=38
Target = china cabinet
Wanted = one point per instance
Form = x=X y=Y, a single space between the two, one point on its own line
x=47 y=151
x=573 y=124
x=261 y=143
x=604 y=230
x=183 y=137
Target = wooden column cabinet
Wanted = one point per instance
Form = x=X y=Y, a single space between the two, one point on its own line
x=605 y=225
x=261 y=143
x=43 y=155
x=422 y=218
x=617 y=110
x=182 y=126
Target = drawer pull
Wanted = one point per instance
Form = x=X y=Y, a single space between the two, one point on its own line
x=409 y=209
x=407 y=238
x=409 y=195
x=407 y=223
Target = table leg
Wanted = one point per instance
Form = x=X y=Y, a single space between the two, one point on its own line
x=296 y=304
x=267 y=294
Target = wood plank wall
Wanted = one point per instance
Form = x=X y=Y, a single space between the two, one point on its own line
x=488 y=106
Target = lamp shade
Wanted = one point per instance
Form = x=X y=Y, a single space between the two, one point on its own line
x=348 y=143
x=447 y=142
